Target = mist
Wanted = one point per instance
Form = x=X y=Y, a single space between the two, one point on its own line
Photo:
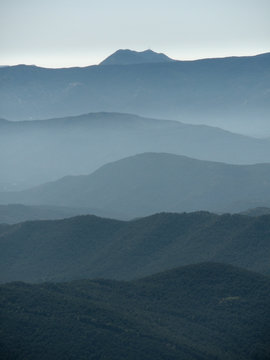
x=34 y=152
x=135 y=194
x=230 y=93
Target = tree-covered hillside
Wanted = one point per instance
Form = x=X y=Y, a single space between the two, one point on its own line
x=88 y=246
x=200 y=312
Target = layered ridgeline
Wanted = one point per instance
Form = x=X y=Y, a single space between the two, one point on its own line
x=89 y=247
x=199 y=312
x=231 y=93
x=33 y=152
x=148 y=183
x=15 y=213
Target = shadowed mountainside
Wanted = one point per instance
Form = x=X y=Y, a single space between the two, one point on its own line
x=88 y=246
x=199 y=312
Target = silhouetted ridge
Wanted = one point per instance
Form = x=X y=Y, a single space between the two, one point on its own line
x=90 y=247
x=129 y=57
x=229 y=92
x=153 y=182
x=127 y=134
x=15 y=213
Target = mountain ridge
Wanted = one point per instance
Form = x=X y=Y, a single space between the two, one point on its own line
x=147 y=183
x=62 y=145
x=16 y=213
x=265 y=55
x=92 y=247
x=130 y=57
x=216 y=91
x=111 y=116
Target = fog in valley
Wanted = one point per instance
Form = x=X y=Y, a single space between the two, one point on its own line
x=35 y=152
x=134 y=183
x=231 y=93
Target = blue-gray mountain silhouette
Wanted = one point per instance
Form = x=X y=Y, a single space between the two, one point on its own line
x=34 y=152
x=231 y=92
x=90 y=247
x=153 y=182
x=128 y=57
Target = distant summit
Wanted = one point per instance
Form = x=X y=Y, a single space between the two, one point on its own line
x=127 y=57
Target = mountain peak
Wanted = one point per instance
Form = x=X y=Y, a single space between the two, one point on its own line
x=128 y=57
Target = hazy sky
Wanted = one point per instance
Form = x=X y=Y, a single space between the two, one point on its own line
x=54 y=33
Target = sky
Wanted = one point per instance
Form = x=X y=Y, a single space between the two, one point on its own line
x=64 y=33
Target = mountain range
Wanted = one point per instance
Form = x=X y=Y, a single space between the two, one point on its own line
x=227 y=92
x=16 y=213
x=89 y=247
x=153 y=182
x=34 y=152
x=199 y=312
x=136 y=236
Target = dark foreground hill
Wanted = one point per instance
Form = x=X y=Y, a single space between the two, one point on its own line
x=34 y=152
x=90 y=247
x=148 y=183
x=231 y=92
x=200 y=312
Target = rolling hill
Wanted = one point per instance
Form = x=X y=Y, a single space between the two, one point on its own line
x=200 y=312
x=231 y=93
x=90 y=247
x=153 y=182
x=34 y=152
